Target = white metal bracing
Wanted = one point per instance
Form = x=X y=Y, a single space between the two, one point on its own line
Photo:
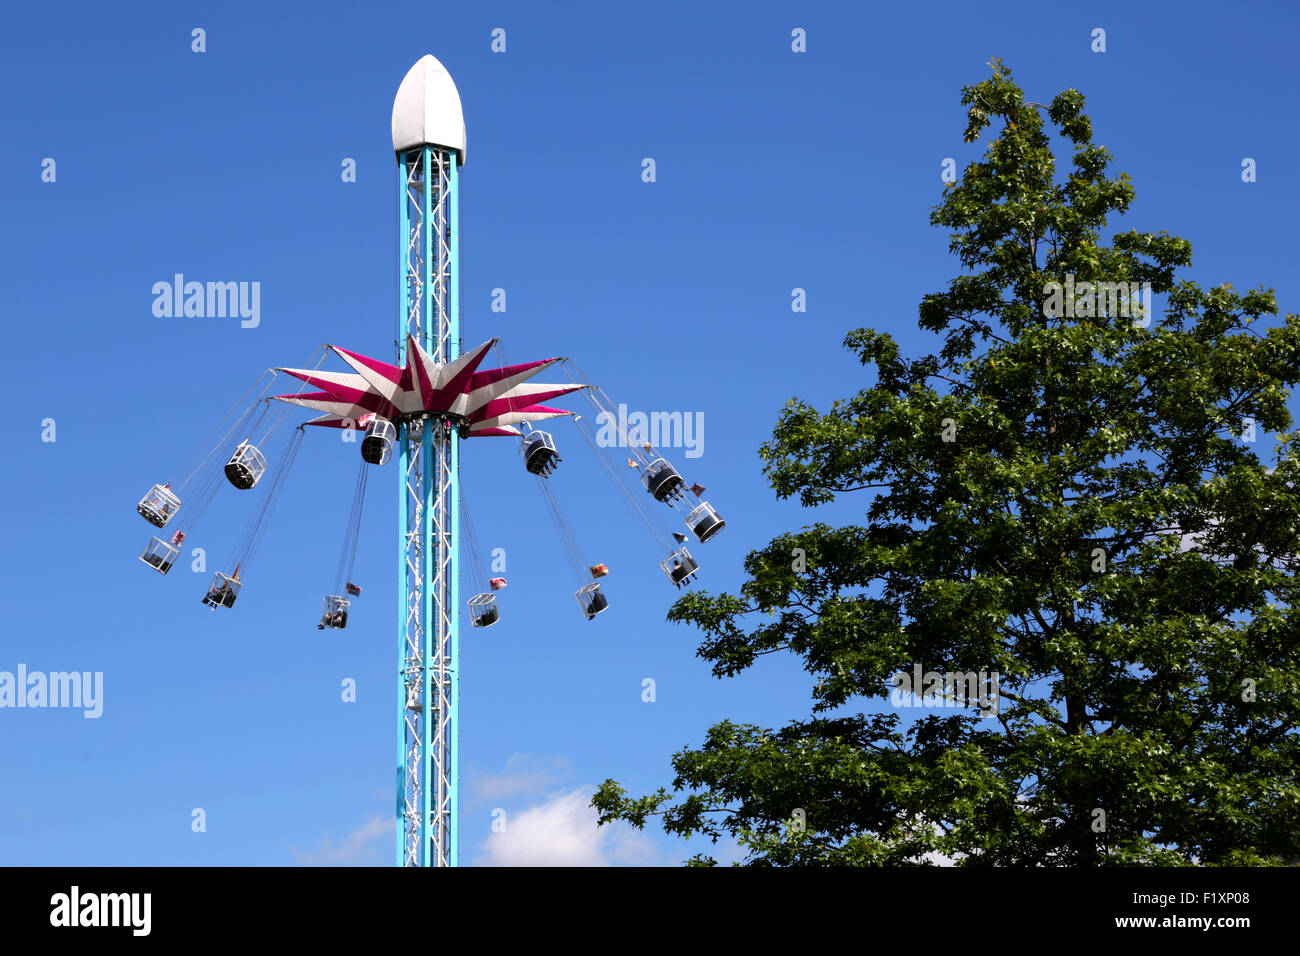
x=413 y=662
x=428 y=765
x=440 y=671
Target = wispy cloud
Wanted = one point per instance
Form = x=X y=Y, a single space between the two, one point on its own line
x=371 y=844
x=525 y=775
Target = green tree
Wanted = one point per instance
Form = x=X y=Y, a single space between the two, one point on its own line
x=1062 y=495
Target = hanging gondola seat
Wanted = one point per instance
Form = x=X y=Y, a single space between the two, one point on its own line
x=704 y=521
x=483 y=609
x=246 y=465
x=662 y=480
x=159 y=506
x=540 y=455
x=223 y=591
x=377 y=446
x=335 y=614
x=160 y=555
x=680 y=567
x=591 y=600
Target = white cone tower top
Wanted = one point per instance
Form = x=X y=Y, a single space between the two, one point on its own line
x=427 y=110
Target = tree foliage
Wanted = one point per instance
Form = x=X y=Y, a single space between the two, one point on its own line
x=1062 y=495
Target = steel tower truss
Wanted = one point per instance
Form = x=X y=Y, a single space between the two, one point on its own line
x=429 y=517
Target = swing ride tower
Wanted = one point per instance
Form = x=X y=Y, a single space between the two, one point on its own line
x=429 y=142
x=417 y=411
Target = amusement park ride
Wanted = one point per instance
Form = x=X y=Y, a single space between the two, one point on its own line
x=418 y=411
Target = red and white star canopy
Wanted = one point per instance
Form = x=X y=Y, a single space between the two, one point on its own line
x=492 y=401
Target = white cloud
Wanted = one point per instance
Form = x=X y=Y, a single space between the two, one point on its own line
x=562 y=831
x=371 y=844
x=525 y=775
x=543 y=826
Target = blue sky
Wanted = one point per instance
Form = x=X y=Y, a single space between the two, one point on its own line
x=775 y=170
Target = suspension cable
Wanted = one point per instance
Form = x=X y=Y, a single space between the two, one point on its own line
x=356 y=534
x=282 y=410
x=207 y=489
x=644 y=453
x=641 y=450
x=567 y=543
x=632 y=500
x=273 y=496
x=471 y=537
x=258 y=523
x=247 y=409
x=352 y=531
